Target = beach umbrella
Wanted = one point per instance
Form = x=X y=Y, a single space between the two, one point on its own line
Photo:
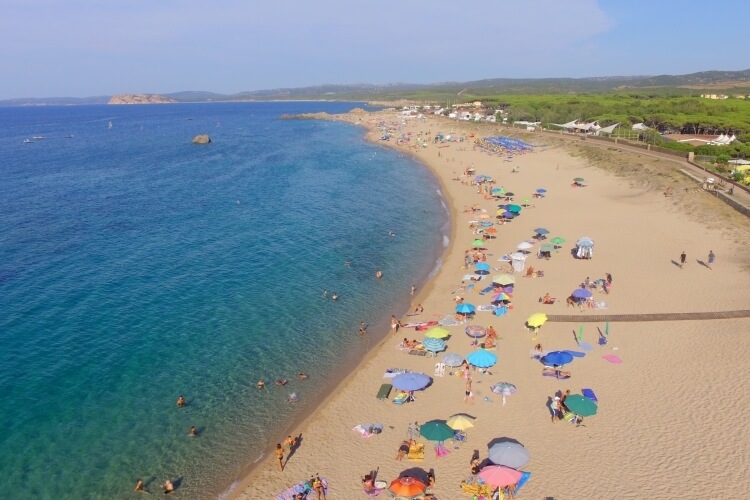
x=407 y=487
x=436 y=430
x=500 y=296
x=536 y=320
x=526 y=202
x=578 y=179
x=498 y=190
x=504 y=389
x=477 y=243
x=557 y=358
x=482 y=268
x=581 y=293
x=482 y=359
x=585 y=242
x=507 y=215
x=452 y=359
x=433 y=344
x=517 y=256
x=541 y=190
x=509 y=454
x=503 y=279
x=491 y=230
x=514 y=208
x=488 y=223
x=547 y=248
x=460 y=422
x=465 y=309
x=581 y=405
x=437 y=332
x=541 y=230
x=525 y=245
x=509 y=194
x=557 y=240
x=475 y=331
x=499 y=475
x=410 y=381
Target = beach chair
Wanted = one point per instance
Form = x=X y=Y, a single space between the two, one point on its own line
x=384 y=391
x=459 y=437
x=442 y=370
x=437 y=369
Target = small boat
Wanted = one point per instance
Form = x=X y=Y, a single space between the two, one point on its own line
x=110 y=126
x=69 y=136
x=27 y=141
x=38 y=137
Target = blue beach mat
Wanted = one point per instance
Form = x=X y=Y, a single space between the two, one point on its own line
x=524 y=479
x=576 y=354
x=486 y=290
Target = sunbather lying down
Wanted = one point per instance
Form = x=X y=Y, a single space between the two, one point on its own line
x=552 y=372
x=547 y=299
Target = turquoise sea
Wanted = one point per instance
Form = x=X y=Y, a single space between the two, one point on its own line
x=136 y=267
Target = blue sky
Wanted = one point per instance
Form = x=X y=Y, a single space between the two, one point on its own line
x=83 y=48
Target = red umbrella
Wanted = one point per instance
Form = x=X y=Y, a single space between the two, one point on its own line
x=499 y=475
x=407 y=487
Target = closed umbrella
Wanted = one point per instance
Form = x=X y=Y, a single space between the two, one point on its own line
x=452 y=359
x=499 y=475
x=437 y=332
x=482 y=359
x=433 y=344
x=410 y=381
x=581 y=405
x=509 y=454
x=436 y=430
x=536 y=320
x=407 y=487
x=460 y=422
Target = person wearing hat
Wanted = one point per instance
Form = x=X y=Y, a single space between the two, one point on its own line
x=555 y=407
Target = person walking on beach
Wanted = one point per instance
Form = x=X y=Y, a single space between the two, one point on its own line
x=280 y=456
x=683 y=258
x=711 y=259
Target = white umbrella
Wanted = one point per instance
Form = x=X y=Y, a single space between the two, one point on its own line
x=524 y=245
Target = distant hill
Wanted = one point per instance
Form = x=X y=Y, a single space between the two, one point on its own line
x=729 y=82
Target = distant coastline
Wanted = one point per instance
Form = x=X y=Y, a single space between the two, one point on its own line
x=141 y=99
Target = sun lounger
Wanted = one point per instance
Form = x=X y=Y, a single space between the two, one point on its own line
x=400 y=398
x=588 y=393
x=384 y=391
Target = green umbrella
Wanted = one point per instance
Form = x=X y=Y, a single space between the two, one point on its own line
x=581 y=405
x=557 y=240
x=546 y=248
x=579 y=179
x=514 y=208
x=437 y=332
x=436 y=430
x=478 y=243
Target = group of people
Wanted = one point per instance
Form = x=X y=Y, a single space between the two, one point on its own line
x=709 y=260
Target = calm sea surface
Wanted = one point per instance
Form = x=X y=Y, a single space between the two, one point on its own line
x=136 y=267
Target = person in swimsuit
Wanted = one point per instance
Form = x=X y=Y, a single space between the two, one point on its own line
x=317 y=486
x=280 y=456
x=395 y=323
x=261 y=384
x=168 y=487
x=139 y=486
x=193 y=432
x=180 y=402
x=403 y=449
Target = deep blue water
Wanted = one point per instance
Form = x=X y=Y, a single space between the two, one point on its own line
x=136 y=266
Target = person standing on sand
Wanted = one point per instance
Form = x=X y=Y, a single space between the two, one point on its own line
x=468 y=396
x=395 y=323
x=711 y=259
x=280 y=456
x=683 y=257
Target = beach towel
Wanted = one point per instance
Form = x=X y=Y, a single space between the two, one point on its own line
x=384 y=391
x=553 y=373
x=420 y=324
x=576 y=354
x=392 y=372
x=524 y=479
x=485 y=308
x=367 y=430
x=585 y=346
x=588 y=393
x=612 y=358
x=486 y=290
x=449 y=320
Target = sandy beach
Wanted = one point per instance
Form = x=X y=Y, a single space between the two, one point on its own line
x=669 y=419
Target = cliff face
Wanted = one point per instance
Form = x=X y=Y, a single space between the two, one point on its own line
x=140 y=99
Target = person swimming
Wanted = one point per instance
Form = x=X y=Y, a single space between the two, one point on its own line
x=335 y=296
x=303 y=376
x=281 y=382
x=261 y=384
x=292 y=397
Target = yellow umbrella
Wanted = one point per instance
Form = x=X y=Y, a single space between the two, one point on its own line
x=460 y=422
x=437 y=332
x=536 y=320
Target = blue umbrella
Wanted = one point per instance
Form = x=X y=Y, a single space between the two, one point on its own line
x=585 y=242
x=410 y=381
x=487 y=223
x=465 y=309
x=581 y=293
x=433 y=344
x=482 y=359
x=482 y=266
x=508 y=215
x=541 y=230
x=541 y=190
x=557 y=358
x=453 y=359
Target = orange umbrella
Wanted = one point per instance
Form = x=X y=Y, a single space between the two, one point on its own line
x=491 y=230
x=407 y=487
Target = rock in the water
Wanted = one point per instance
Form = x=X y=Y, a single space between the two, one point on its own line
x=201 y=139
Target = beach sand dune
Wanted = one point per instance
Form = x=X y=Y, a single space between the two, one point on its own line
x=670 y=420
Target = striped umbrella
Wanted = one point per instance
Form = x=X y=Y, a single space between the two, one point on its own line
x=433 y=344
